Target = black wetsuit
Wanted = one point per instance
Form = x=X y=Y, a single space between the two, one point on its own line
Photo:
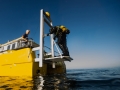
x=61 y=41
x=25 y=36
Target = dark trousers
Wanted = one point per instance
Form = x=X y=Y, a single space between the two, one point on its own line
x=62 y=43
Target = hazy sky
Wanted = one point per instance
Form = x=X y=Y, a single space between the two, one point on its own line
x=94 y=40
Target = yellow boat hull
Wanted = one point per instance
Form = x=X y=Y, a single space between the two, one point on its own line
x=21 y=63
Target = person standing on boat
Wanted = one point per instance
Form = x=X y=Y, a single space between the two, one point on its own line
x=60 y=33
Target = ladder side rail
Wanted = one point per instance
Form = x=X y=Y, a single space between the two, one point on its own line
x=48 y=23
x=41 y=38
x=52 y=46
x=52 y=42
x=57 y=48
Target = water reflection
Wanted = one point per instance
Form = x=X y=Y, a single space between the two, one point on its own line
x=16 y=83
x=56 y=82
x=38 y=83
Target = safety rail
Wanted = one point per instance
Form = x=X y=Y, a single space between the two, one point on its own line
x=17 y=44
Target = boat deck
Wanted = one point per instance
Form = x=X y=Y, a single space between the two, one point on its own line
x=55 y=59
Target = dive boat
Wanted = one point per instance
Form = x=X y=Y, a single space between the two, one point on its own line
x=19 y=59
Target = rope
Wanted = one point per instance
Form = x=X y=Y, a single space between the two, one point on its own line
x=50 y=49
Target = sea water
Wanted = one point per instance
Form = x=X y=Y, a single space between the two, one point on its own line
x=74 y=79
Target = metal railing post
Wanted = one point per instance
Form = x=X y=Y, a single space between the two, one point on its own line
x=52 y=43
x=52 y=47
x=41 y=38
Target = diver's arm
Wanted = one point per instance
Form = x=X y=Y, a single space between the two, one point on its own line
x=52 y=30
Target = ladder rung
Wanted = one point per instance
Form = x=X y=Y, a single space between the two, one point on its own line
x=36 y=48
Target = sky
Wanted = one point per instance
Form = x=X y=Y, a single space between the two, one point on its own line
x=94 y=41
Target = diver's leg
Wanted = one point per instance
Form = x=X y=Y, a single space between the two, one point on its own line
x=62 y=48
x=65 y=48
x=60 y=44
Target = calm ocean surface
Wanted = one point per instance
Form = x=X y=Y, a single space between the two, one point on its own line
x=75 y=79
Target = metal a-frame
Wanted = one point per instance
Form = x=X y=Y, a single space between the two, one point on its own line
x=52 y=59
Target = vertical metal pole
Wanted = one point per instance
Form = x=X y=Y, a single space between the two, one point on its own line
x=52 y=43
x=52 y=47
x=41 y=38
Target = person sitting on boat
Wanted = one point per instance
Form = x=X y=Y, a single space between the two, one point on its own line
x=25 y=36
x=60 y=33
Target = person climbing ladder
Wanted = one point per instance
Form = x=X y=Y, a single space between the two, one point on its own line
x=60 y=33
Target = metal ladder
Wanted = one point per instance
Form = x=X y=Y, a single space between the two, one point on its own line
x=52 y=59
